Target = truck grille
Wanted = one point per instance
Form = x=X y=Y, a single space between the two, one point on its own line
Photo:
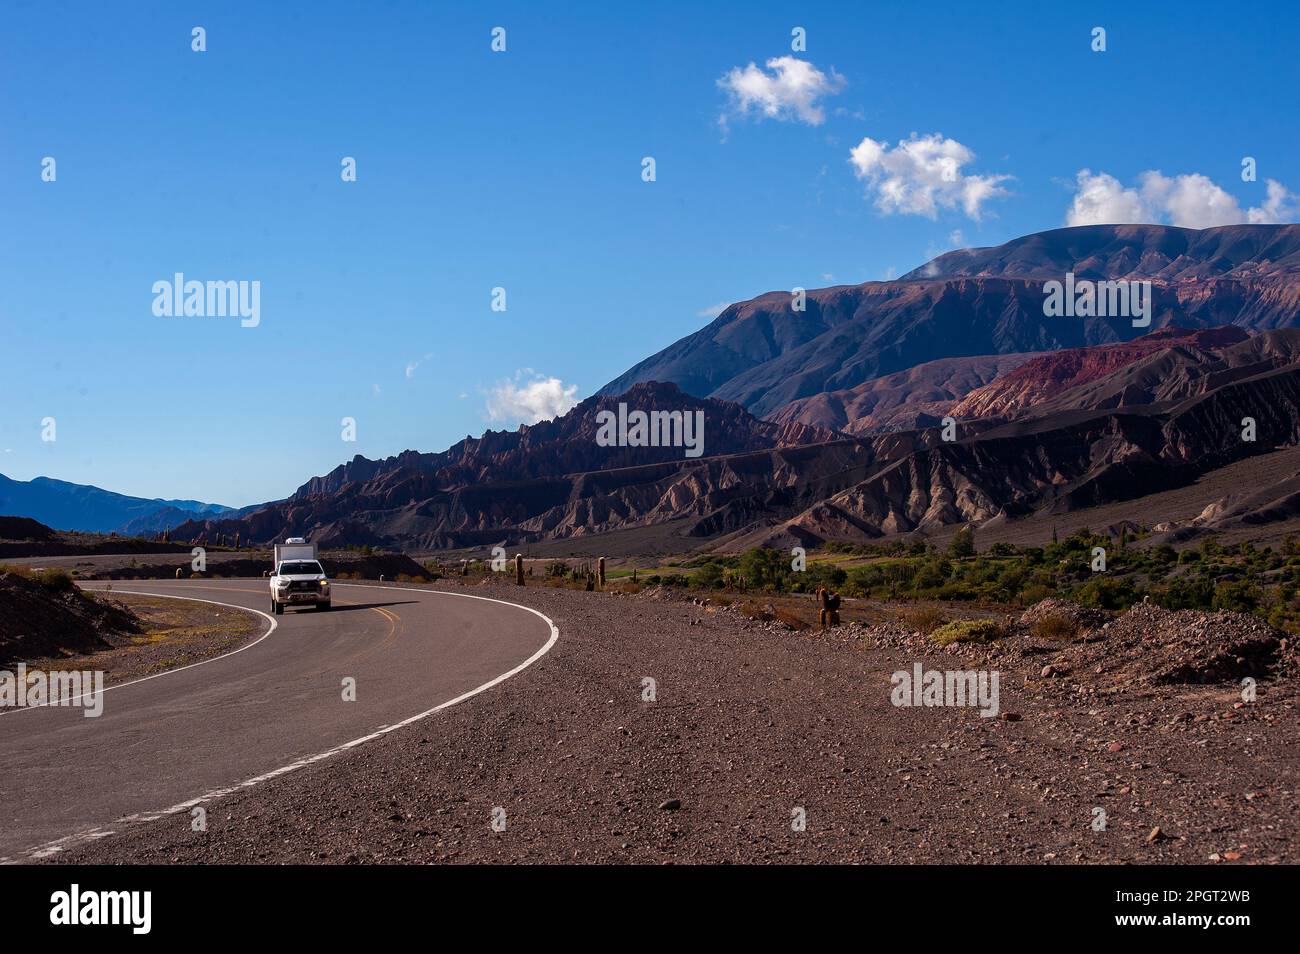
x=303 y=585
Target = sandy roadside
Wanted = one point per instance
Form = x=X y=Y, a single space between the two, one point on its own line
x=752 y=729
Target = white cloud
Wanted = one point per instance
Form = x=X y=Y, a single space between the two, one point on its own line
x=1279 y=207
x=1101 y=199
x=788 y=90
x=713 y=310
x=1191 y=201
x=376 y=387
x=412 y=365
x=530 y=397
x=922 y=175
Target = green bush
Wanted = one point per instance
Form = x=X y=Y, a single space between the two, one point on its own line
x=55 y=579
x=764 y=568
x=1106 y=593
x=1240 y=597
x=968 y=631
x=963 y=543
x=707 y=577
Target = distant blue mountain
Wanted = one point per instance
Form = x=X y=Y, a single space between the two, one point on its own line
x=66 y=506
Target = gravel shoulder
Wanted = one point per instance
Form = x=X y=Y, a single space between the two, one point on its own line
x=172 y=633
x=754 y=726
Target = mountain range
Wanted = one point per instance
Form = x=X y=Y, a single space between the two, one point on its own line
x=69 y=506
x=763 y=354
x=946 y=396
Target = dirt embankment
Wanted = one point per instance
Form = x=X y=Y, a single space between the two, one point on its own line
x=49 y=623
x=172 y=632
x=756 y=743
x=44 y=615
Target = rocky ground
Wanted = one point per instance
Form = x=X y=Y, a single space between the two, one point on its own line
x=1096 y=755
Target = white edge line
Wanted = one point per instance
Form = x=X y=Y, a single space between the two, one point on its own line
x=165 y=672
x=44 y=851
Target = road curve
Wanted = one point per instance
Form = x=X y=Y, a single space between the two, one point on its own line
x=166 y=742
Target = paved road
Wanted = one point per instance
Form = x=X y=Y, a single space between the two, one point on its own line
x=170 y=739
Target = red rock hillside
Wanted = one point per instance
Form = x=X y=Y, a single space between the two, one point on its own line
x=1051 y=374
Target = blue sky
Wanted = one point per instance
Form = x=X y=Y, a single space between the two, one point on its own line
x=522 y=170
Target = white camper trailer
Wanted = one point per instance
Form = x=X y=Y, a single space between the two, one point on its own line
x=299 y=579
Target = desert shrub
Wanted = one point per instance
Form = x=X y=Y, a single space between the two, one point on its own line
x=930 y=577
x=924 y=619
x=819 y=574
x=963 y=543
x=1184 y=594
x=1284 y=617
x=957 y=591
x=1054 y=626
x=707 y=577
x=852 y=590
x=403 y=578
x=1106 y=593
x=1241 y=596
x=1035 y=593
x=968 y=631
x=55 y=579
x=764 y=568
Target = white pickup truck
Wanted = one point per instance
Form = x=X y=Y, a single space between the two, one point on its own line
x=298 y=578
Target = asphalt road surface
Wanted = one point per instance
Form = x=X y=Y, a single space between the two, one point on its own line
x=166 y=742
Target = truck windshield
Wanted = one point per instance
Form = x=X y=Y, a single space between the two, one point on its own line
x=301 y=568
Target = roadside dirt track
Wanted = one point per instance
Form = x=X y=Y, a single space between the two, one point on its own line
x=751 y=724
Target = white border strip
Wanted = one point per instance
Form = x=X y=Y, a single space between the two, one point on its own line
x=44 y=851
x=165 y=672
